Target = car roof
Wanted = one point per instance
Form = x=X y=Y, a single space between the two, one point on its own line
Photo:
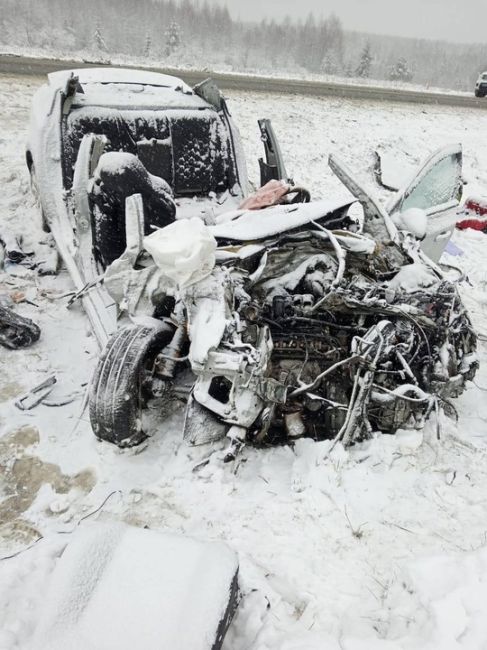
x=118 y=75
x=126 y=88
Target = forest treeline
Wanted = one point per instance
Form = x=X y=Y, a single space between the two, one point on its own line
x=200 y=34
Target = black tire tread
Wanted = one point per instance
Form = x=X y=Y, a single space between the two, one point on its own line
x=115 y=388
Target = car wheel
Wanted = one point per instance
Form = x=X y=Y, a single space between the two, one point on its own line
x=117 y=393
x=34 y=186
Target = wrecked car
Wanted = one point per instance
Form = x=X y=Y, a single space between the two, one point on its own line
x=270 y=315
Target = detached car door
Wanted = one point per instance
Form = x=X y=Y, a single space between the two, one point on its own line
x=273 y=167
x=437 y=189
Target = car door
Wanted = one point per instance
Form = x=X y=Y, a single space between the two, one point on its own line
x=377 y=222
x=437 y=189
x=99 y=306
x=273 y=167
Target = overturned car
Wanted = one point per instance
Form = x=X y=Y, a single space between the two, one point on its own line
x=272 y=316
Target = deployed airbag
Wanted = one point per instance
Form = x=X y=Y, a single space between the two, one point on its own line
x=184 y=251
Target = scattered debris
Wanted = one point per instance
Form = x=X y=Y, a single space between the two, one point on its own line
x=12 y=245
x=473 y=224
x=39 y=395
x=477 y=204
x=16 y=331
x=453 y=249
x=17 y=296
x=36 y=395
x=49 y=261
x=82 y=292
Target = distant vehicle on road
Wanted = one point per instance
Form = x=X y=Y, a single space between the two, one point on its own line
x=481 y=85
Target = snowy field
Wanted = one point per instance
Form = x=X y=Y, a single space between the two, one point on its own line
x=380 y=547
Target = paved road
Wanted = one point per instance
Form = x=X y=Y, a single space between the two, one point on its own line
x=40 y=67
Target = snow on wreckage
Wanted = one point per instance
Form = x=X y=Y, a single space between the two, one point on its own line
x=270 y=315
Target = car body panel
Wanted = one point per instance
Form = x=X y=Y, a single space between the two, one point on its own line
x=273 y=167
x=435 y=188
x=377 y=221
x=254 y=225
x=117 y=75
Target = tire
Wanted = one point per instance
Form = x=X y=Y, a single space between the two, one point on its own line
x=116 y=391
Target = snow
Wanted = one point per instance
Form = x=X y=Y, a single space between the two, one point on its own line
x=382 y=546
x=413 y=220
x=208 y=314
x=176 y=588
x=393 y=169
x=259 y=224
x=412 y=277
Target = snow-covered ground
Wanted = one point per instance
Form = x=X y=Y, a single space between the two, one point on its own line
x=383 y=546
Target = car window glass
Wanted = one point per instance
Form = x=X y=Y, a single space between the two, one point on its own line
x=441 y=184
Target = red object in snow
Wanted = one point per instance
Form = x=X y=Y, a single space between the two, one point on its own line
x=474 y=224
x=476 y=205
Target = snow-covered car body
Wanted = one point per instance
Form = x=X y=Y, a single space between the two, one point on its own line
x=182 y=135
x=481 y=85
x=293 y=316
x=185 y=137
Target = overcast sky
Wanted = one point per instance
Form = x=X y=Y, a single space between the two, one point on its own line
x=455 y=20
